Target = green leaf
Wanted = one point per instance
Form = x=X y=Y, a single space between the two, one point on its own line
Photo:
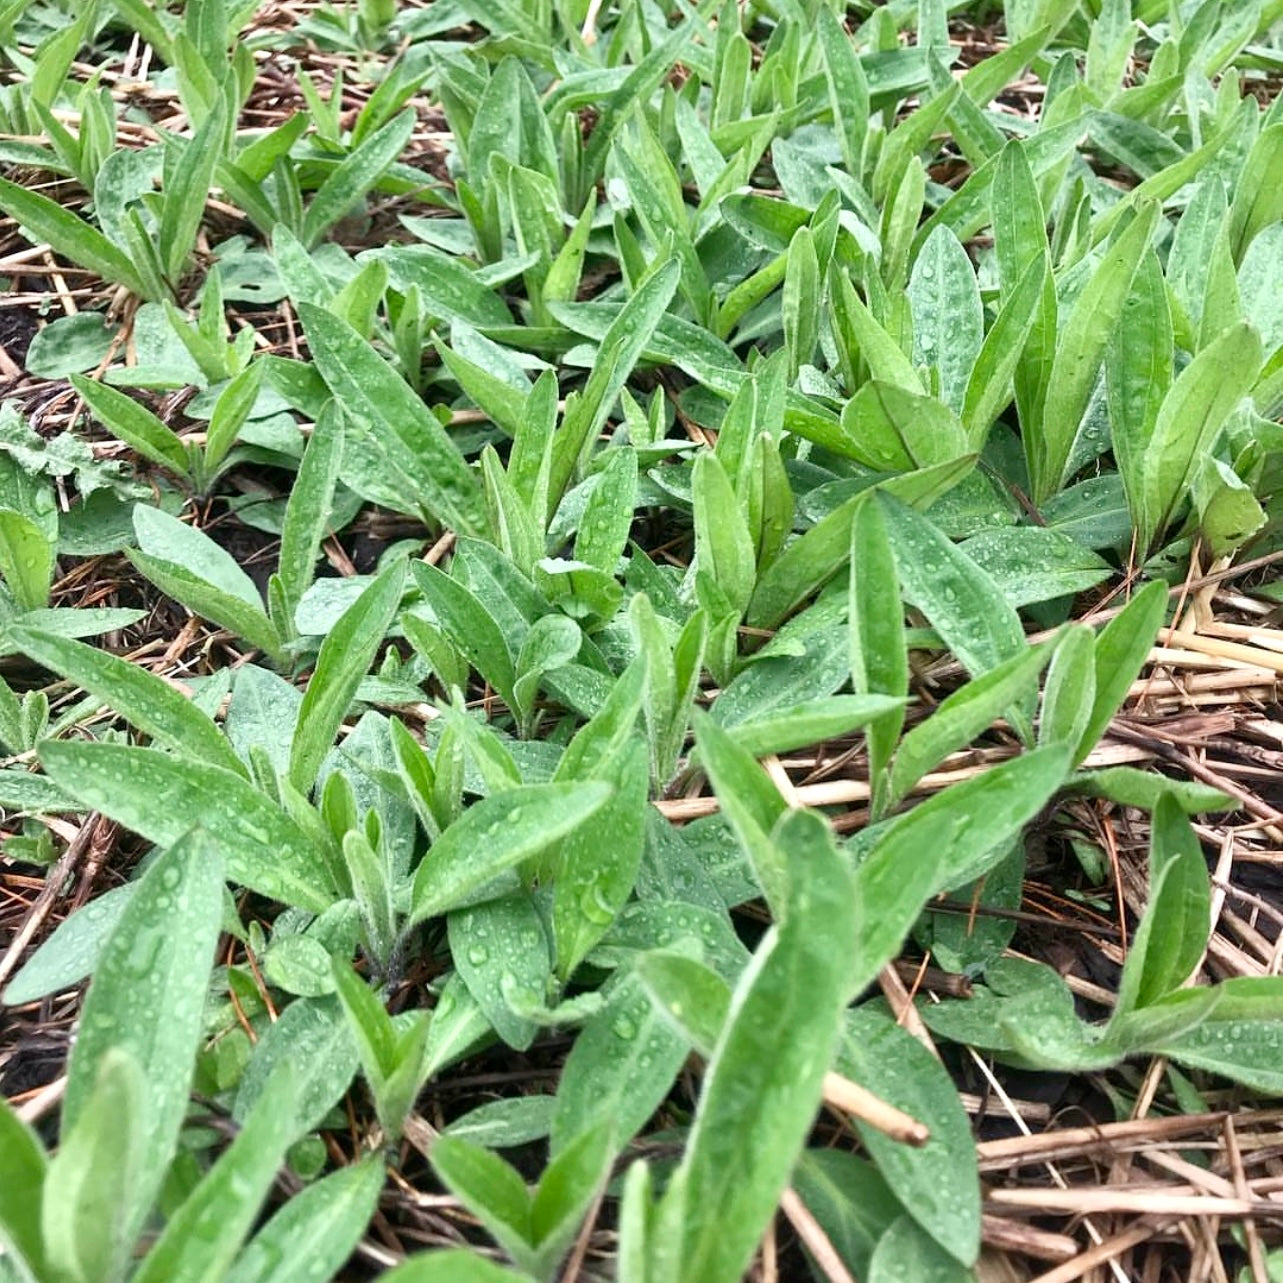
x=1194 y=245
x=27 y=559
x=70 y=236
x=489 y=1188
x=307 y=513
x=510 y=515
x=148 y=999
x=345 y=658
x=968 y=943
x=163 y=536
x=657 y=199
x=354 y=175
x=509 y=119
x=801 y=299
x=895 y=430
x=231 y=412
x=946 y=841
x=620 y=1068
x=804 y=565
x=948 y=319
x=1071 y=689
x=1131 y=786
x=879 y=657
x=148 y=702
x=1080 y=350
x=626 y=338
x=566 y=1191
x=723 y=545
x=376 y=1043
x=1121 y=651
x=1173 y=931
x=187 y=188
x=201 y=1239
x=858 y=329
x=493 y=395
x=371 y=881
x=552 y=642
x=133 y=423
x=1020 y=243
x=850 y=1200
x=1190 y=418
x=783 y=730
x=415 y=442
x=447 y=287
x=963 y=715
x=763 y=1083
x=470 y=626
x=455 y=1265
x=71 y=952
x=87 y=1228
x=494 y=835
x=1228 y=513
x=23 y=1171
x=608 y=514
x=598 y=863
x=848 y=89
x=315 y=1231
x=502 y=1124
x=1245 y=1051
x=313 y=1036
x=256 y=158
x=750 y=801
x=1108 y=49
x=202 y=576
x=1258 y=199
x=1138 y=373
x=906 y=1254
x=693 y=997
x=1033 y=564
x=938 y=1183
x=162 y=797
x=989 y=384
x=962 y=602
x=500 y=949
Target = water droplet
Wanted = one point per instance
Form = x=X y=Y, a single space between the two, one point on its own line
x=595 y=907
x=478 y=955
x=624 y=1028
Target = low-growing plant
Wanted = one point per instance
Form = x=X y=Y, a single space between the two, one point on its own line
x=761 y=381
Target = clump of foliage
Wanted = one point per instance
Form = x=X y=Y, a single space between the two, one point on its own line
x=745 y=356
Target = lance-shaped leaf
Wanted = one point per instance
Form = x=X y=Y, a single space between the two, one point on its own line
x=201 y=1239
x=148 y=999
x=162 y=797
x=947 y=841
x=764 y=1081
x=145 y=700
x=346 y=655
x=69 y=235
x=1080 y=352
x=1191 y=416
x=493 y=836
x=369 y=389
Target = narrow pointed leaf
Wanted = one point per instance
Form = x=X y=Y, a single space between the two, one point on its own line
x=162 y=797
x=148 y=998
x=496 y=834
x=147 y=701
x=345 y=658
